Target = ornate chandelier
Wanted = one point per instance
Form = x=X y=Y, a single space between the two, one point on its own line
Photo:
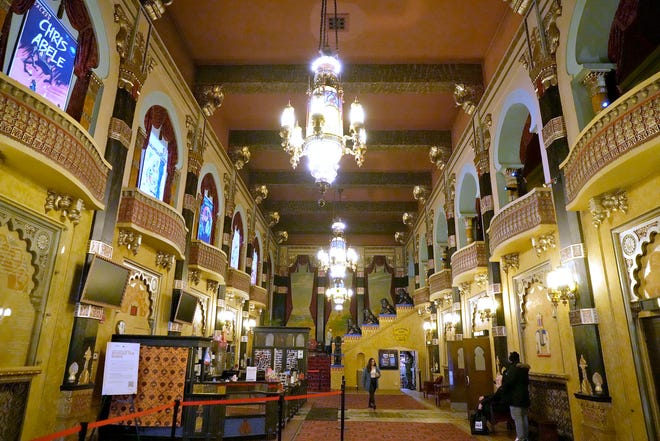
x=336 y=261
x=324 y=142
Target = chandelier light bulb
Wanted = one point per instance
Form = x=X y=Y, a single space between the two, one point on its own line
x=288 y=118
x=356 y=115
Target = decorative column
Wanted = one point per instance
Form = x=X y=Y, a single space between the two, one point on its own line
x=481 y=148
x=420 y=194
x=196 y=145
x=450 y=189
x=134 y=67
x=542 y=68
x=229 y=194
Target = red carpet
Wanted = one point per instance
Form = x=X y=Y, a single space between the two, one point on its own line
x=360 y=401
x=381 y=431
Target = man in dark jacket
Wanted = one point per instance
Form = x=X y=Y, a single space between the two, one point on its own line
x=515 y=391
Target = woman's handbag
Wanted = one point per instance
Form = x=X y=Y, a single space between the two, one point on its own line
x=479 y=423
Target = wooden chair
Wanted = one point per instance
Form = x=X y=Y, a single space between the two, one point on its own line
x=429 y=387
x=441 y=392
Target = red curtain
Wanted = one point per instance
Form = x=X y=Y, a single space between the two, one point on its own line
x=87 y=54
x=19 y=7
x=158 y=118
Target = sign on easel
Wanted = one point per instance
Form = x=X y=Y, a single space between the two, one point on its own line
x=120 y=374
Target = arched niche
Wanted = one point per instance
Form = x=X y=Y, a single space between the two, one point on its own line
x=441 y=237
x=380 y=283
x=519 y=122
x=158 y=98
x=466 y=201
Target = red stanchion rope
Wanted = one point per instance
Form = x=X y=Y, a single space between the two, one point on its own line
x=75 y=429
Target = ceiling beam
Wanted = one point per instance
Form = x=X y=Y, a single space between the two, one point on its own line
x=345 y=179
x=367 y=78
x=355 y=228
x=378 y=139
x=297 y=208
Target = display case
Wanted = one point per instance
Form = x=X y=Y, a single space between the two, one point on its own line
x=282 y=349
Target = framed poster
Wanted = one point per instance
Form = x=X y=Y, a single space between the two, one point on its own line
x=388 y=359
x=45 y=55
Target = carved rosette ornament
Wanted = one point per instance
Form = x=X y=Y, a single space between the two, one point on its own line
x=210 y=98
x=408 y=219
x=602 y=207
x=273 y=218
x=259 y=193
x=400 y=237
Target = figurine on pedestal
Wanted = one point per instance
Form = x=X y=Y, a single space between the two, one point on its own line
x=369 y=318
x=352 y=328
x=386 y=307
x=403 y=298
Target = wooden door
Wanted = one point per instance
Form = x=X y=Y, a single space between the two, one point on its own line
x=456 y=371
x=478 y=370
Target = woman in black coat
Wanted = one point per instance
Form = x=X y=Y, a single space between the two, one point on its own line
x=515 y=392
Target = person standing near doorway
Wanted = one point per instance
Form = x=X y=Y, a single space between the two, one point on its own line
x=515 y=392
x=370 y=376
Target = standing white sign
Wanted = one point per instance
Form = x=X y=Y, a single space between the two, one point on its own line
x=120 y=375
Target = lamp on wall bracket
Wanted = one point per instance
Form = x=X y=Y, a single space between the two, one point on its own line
x=561 y=286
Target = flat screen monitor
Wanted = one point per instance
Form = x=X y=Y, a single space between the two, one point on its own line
x=186 y=306
x=105 y=283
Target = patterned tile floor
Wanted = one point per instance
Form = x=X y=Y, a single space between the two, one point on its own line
x=419 y=422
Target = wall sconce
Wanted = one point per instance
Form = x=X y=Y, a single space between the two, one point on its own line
x=249 y=324
x=486 y=307
x=561 y=286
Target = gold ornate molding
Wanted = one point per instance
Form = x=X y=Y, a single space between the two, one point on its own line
x=67 y=207
x=510 y=262
x=481 y=145
x=439 y=155
x=134 y=66
x=553 y=130
x=281 y=237
x=210 y=98
x=156 y=8
x=196 y=145
x=467 y=96
x=129 y=239
x=120 y=131
x=519 y=6
x=602 y=207
x=450 y=190
x=542 y=44
x=240 y=156
x=622 y=130
x=543 y=243
x=164 y=260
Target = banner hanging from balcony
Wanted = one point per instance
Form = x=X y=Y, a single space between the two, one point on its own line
x=44 y=55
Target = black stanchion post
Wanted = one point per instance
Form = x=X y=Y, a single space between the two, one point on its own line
x=280 y=416
x=343 y=405
x=175 y=414
x=83 y=431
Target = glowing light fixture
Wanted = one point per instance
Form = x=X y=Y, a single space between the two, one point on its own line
x=324 y=142
x=337 y=261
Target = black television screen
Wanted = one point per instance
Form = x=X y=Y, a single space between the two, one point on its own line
x=186 y=306
x=105 y=283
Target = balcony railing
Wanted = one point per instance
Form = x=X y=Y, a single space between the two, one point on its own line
x=421 y=295
x=258 y=296
x=41 y=141
x=468 y=261
x=439 y=282
x=161 y=226
x=211 y=261
x=512 y=228
x=239 y=282
x=617 y=148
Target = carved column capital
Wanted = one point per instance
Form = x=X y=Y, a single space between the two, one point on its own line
x=543 y=242
x=130 y=239
x=164 y=260
x=68 y=207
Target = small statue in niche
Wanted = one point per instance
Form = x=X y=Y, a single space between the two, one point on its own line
x=585 y=386
x=352 y=328
x=337 y=351
x=403 y=298
x=85 y=375
x=386 y=307
x=369 y=317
